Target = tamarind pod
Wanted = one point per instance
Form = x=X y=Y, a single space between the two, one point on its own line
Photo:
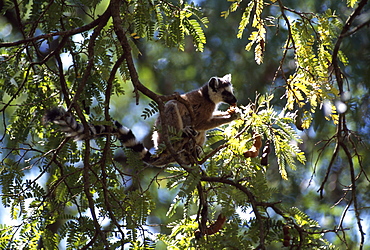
x=287 y=238
x=217 y=226
x=254 y=151
x=265 y=153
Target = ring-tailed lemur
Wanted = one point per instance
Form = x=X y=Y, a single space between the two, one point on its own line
x=203 y=102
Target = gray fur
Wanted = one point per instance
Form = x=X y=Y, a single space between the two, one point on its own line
x=203 y=102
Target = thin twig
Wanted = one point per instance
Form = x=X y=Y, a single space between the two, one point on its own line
x=354 y=193
x=58 y=33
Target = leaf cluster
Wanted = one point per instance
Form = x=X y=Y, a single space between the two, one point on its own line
x=168 y=22
x=253 y=10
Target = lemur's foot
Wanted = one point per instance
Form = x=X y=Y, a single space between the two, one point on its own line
x=190 y=131
x=198 y=151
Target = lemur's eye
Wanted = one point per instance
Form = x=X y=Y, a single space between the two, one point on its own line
x=226 y=93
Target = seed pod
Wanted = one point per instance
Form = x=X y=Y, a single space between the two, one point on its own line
x=287 y=238
x=213 y=228
x=217 y=226
x=255 y=149
x=265 y=153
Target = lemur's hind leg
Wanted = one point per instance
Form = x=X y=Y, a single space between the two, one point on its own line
x=175 y=118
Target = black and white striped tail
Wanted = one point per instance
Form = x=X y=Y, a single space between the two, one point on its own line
x=72 y=128
x=128 y=139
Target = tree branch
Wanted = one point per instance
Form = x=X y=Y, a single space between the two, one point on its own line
x=58 y=33
x=346 y=27
x=355 y=29
x=327 y=174
x=255 y=204
x=90 y=50
x=354 y=193
x=89 y=197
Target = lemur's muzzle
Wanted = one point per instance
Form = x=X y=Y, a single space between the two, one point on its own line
x=231 y=101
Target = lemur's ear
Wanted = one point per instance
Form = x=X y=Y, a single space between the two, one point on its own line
x=227 y=78
x=213 y=83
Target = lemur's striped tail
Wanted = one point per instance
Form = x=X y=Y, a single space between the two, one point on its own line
x=72 y=128
x=128 y=139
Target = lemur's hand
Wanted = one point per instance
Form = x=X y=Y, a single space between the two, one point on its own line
x=234 y=112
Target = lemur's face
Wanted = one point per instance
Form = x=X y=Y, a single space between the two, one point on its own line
x=227 y=94
x=221 y=90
